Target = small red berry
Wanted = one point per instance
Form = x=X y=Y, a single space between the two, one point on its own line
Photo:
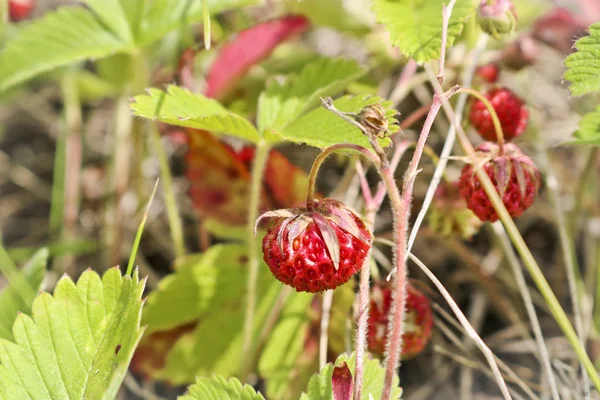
x=514 y=175
x=418 y=323
x=488 y=72
x=511 y=110
x=318 y=249
x=18 y=10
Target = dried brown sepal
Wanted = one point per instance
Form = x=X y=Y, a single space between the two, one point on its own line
x=373 y=118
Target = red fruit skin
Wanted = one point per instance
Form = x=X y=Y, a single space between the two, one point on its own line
x=517 y=196
x=306 y=265
x=18 y=10
x=511 y=110
x=418 y=321
x=488 y=72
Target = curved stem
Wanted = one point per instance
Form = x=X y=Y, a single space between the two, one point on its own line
x=493 y=114
x=314 y=170
x=258 y=167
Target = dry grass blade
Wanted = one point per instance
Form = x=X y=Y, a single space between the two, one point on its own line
x=467 y=326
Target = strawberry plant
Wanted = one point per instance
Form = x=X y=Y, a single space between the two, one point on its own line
x=346 y=197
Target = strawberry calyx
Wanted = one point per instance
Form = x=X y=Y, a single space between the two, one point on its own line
x=325 y=214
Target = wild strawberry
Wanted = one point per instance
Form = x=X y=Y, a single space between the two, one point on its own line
x=497 y=18
x=318 y=249
x=449 y=215
x=511 y=110
x=20 y=9
x=488 y=72
x=417 y=324
x=514 y=175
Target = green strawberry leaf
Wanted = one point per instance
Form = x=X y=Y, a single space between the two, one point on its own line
x=112 y=15
x=319 y=387
x=280 y=104
x=79 y=342
x=589 y=129
x=63 y=37
x=583 y=66
x=415 y=26
x=286 y=358
x=209 y=288
x=322 y=128
x=11 y=300
x=178 y=106
x=219 y=388
x=163 y=16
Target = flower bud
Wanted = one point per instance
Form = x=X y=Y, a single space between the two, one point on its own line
x=497 y=18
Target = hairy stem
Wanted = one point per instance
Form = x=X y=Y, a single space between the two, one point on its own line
x=363 y=307
x=449 y=142
x=401 y=210
x=258 y=167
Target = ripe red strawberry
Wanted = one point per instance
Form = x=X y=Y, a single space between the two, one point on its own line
x=318 y=249
x=488 y=72
x=20 y=9
x=417 y=324
x=511 y=110
x=514 y=175
x=449 y=215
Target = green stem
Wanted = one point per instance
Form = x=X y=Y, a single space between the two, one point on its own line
x=258 y=167
x=138 y=236
x=528 y=260
x=493 y=114
x=120 y=172
x=574 y=279
x=175 y=224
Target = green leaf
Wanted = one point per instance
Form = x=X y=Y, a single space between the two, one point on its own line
x=63 y=37
x=179 y=106
x=163 y=16
x=11 y=302
x=322 y=128
x=589 y=129
x=319 y=387
x=112 y=15
x=285 y=359
x=583 y=66
x=213 y=289
x=78 y=344
x=415 y=26
x=280 y=104
x=219 y=388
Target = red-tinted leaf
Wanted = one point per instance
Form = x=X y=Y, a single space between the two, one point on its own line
x=151 y=354
x=220 y=179
x=247 y=49
x=341 y=382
